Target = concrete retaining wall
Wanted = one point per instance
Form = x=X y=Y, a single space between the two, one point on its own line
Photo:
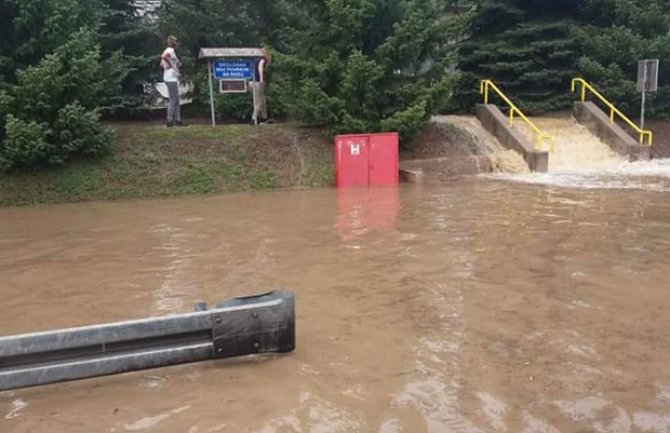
x=498 y=125
x=595 y=119
x=444 y=168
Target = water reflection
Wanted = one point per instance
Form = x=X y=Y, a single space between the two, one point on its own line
x=362 y=210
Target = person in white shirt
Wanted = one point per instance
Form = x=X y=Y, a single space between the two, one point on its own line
x=171 y=64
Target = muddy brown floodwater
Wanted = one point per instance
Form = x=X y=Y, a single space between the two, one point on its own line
x=481 y=305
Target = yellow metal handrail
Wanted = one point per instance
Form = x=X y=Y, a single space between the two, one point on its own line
x=613 y=110
x=540 y=136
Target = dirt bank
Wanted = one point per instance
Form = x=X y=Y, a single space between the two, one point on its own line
x=152 y=161
x=453 y=146
x=148 y=160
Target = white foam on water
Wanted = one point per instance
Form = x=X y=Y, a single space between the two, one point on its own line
x=582 y=160
x=577 y=148
x=17 y=407
x=642 y=175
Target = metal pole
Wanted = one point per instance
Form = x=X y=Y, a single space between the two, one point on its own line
x=254 y=92
x=644 y=100
x=644 y=95
x=211 y=91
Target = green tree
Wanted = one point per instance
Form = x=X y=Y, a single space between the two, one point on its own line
x=527 y=47
x=357 y=66
x=30 y=29
x=618 y=34
x=53 y=81
x=208 y=23
x=532 y=49
x=131 y=39
x=215 y=23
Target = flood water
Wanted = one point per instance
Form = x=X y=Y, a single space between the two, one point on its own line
x=481 y=305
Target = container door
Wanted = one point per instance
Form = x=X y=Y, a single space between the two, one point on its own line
x=384 y=168
x=352 y=160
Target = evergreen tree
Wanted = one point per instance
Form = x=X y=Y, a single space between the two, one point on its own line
x=532 y=49
x=209 y=23
x=131 y=37
x=53 y=81
x=616 y=35
x=215 y=23
x=357 y=66
x=527 y=47
x=30 y=29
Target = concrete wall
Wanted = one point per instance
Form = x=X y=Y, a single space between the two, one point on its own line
x=444 y=168
x=498 y=125
x=595 y=119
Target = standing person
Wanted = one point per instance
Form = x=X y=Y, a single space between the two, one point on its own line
x=258 y=88
x=171 y=64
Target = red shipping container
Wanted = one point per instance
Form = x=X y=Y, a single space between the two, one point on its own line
x=366 y=159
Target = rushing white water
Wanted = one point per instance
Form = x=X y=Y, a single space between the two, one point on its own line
x=582 y=160
x=577 y=149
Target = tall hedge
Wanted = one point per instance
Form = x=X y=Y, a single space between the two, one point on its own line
x=356 y=66
x=533 y=48
x=53 y=79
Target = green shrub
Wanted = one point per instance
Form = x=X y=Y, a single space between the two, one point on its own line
x=51 y=112
x=363 y=66
x=25 y=143
x=78 y=130
x=407 y=122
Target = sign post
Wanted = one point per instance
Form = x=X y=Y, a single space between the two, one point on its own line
x=211 y=92
x=232 y=67
x=647 y=81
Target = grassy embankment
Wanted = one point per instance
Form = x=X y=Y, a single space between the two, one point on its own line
x=149 y=161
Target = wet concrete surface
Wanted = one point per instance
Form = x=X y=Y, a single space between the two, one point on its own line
x=474 y=306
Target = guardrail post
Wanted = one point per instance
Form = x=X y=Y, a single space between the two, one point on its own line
x=241 y=326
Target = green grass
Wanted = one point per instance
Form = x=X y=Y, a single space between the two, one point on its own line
x=152 y=161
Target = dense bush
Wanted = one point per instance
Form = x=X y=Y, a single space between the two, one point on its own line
x=616 y=35
x=131 y=39
x=526 y=47
x=62 y=62
x=362 y=66
x=534 y=48
x=50 y=113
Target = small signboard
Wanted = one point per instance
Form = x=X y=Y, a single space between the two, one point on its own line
x=647 y=75
x=233 y=86
x=233 y=69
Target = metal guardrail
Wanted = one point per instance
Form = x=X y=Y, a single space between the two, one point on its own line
x=540 y=136
x=613 y=110
x=241 y=326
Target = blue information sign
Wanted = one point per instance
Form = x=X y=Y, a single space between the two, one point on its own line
x=233 y=69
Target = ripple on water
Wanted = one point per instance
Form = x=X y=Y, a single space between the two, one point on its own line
x=601 y=415
x=16 y=408
x=149 y=422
